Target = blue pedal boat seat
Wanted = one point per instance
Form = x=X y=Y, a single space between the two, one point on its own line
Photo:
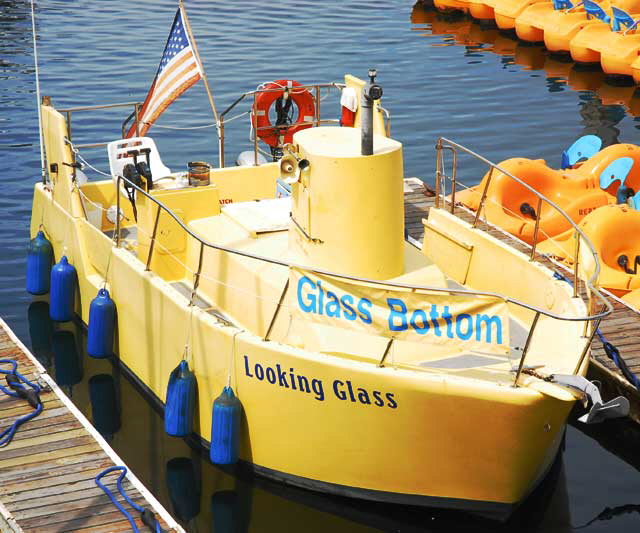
x=617 y=170
x=594 y=10
x=562 y=4
x=622 y=19
x=582 y=149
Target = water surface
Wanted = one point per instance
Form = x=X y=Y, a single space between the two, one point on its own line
x=441 y=75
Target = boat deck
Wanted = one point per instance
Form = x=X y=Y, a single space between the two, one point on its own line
x=621 y=328
x=47 y=471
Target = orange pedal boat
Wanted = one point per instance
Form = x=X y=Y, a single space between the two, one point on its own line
x=618 y=251
x=482 y=9
x=578 y=191
x=565 y=25
x=531 y=21
x=507 y=11
x=619 y=55
x=588 y=43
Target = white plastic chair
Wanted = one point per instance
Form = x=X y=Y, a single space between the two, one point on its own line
x=118 y=156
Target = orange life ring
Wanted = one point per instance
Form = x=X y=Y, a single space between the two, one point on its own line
x=303 y=100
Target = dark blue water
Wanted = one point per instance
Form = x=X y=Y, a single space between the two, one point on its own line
x=441 y=75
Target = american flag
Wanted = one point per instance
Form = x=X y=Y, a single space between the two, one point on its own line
x=179 y=69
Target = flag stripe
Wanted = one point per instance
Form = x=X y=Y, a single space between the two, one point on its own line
x=186 y=56
x=177 y=89
x=177 y=92
x=161 y=95
x=164 y=84
x=179 y=69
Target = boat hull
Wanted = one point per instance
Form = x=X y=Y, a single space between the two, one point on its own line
x=507 y=11
x=586 y=46
x=530 y=23
x=481 y=9
x=317 y=420
x=619 y=53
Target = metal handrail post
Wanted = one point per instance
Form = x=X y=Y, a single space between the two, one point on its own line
x=483 y=197
x=317 y=91
x=221 y=132
x=117 y=228
x=591 y=305
x=535 y=230
x=255 y=133
x=526 y=347
x=68 y=113
x=153 y=239
x=386 y=352
x=277 y=311
x=576 y=279
x=137 y=112
x=196 y=276
x=438 y=166
x=588 y=345
x=454 y=172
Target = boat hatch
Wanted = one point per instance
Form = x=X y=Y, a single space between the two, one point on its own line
x=263 y=216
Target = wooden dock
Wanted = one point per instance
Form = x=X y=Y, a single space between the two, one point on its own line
x=47 y=471
x=621 y=328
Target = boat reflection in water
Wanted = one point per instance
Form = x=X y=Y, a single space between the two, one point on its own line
x=560 y=72
x=41 y=331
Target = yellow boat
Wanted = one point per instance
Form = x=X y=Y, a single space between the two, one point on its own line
x=367 y=366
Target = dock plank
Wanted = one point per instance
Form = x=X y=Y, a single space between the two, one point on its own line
x=47 y=472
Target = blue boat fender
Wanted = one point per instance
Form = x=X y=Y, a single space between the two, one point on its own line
x=63 y=290
x=180 y=405
x=102 y=321
x=225 y=428
x=39 y=260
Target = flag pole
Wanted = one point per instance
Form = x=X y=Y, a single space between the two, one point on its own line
x=204 y=79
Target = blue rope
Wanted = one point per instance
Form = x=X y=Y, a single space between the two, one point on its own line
x=612 y=352
x=17 y=389
x=147 y=516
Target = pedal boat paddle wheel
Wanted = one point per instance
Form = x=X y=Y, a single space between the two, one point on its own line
x=366 y=365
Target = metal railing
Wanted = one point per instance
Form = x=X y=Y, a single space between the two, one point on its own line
x=314 y=89
x=203 y=243
x=446 y=144
x=68 y=112
x=442 y=144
